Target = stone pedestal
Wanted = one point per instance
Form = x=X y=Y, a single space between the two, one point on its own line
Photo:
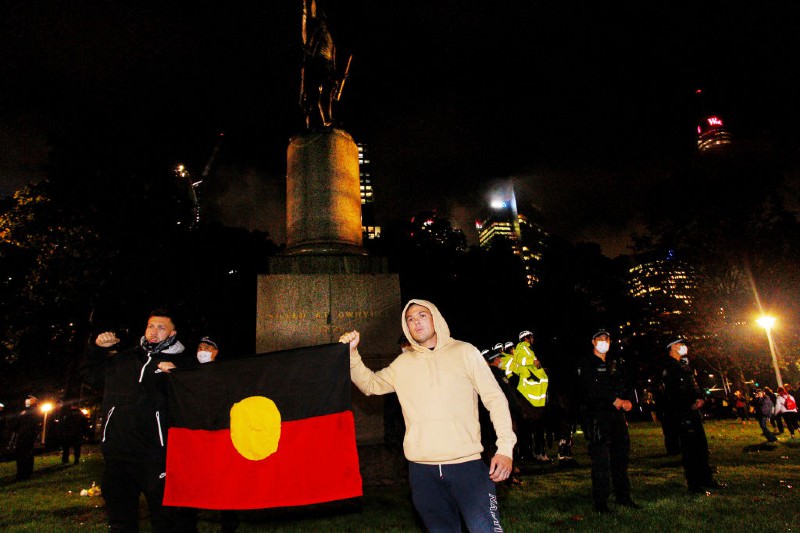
x=323 y=199
x=297 y=310
x=325 y=284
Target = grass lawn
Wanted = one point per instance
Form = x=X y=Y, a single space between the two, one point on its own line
x=762 y=494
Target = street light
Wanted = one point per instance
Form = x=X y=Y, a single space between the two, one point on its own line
x=767 y=322
x=45 y=408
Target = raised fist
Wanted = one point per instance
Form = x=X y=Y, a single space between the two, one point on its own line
x=106 y=339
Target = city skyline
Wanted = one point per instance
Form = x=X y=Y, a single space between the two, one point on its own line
x=587 y=108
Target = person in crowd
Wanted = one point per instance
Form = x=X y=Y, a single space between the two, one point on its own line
x=739 y=402
x=25 y=429
x=786 y=408
x=73 y=427
x=439 y=383
x=669 y=423
x=562 y=409
x=775 y=421
x=134 y=436
x=682 y=400
x=522 y=413
x=606 y=397
x=529 y=377
x=763 y=410
x=207 y=352
x=3 y=426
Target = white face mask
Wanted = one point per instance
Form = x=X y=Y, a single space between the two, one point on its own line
x=601 y=346
x=682 y=349
x=204 y=357
x=28 y=403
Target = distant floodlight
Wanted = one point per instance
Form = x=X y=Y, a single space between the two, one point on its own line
x=766 y=322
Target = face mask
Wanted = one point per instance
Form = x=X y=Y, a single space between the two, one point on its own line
x=683 y=350
x=27 y=403
x=204 y=357
x=601 y=346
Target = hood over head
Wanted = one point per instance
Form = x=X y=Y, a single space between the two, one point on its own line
x=439 y=325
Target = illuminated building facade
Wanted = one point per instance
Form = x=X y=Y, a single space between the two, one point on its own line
x=368 y=227
x=494 y=228
x=712 y=135
x=532 y=246
x=430 y=230
x=527 y=238
x=665 y=287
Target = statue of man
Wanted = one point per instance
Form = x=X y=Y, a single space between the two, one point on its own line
x=319 y=83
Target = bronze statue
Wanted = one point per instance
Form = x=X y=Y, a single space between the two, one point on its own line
x=320 y=84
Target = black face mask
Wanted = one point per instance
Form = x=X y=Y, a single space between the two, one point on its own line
x=160 y=346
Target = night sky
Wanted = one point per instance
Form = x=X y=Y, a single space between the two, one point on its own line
x=589 y=106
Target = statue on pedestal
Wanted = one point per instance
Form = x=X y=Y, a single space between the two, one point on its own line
x=320 y=83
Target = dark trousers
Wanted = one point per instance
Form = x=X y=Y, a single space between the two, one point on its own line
x=694 y=451
x=65 y=449
x=777 y=423
x=609 y=450
x=763 y=423
x=671 y=428
x=123 y=481
x=24 y=463
x=444 y=494
x=790 y=417
x=524 y=431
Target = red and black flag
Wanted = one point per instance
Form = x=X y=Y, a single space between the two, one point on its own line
x=270 y=430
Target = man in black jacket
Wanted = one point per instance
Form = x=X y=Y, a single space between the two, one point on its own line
x=26 y=428
x=135 y=430
x=682 y=399
x=606 y=398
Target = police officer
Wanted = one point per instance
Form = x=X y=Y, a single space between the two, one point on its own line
x=682 y=399
x=605 y=399
x=26 y=429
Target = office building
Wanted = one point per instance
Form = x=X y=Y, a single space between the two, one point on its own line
x=368 y=226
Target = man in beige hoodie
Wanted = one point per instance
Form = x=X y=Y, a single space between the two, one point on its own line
x=438 y=383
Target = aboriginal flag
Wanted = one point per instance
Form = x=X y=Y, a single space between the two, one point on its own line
x=269 y=430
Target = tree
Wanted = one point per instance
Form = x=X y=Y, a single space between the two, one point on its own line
x=50 y=259
x=724 y=214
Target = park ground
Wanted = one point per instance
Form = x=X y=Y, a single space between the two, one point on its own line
x=762 y=494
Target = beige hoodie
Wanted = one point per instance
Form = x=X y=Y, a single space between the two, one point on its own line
x=438 y=391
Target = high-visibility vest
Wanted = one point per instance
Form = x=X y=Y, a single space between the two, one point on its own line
x=533 y=381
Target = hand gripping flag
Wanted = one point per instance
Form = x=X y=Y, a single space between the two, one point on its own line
x=269 y=430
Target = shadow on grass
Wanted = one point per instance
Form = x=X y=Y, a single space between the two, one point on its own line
x=37 y=473
x=73 y=514
x=761 y=447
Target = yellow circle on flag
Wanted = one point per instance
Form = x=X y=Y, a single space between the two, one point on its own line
x=255 y=427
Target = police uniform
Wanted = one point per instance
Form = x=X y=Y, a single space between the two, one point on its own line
x=679 y=392
x=606 y=428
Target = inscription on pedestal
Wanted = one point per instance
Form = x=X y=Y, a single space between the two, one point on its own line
x=296 y=310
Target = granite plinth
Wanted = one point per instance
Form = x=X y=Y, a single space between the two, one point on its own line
x=295 y=310
x=323 y=198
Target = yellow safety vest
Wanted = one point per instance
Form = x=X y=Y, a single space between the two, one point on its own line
x=533 y=381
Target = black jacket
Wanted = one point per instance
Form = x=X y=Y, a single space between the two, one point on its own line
x=601 y=382
x=134 y=399
x=678 y=389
